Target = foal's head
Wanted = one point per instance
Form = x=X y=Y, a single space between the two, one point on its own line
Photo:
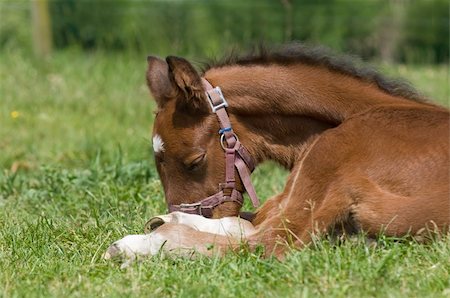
x=188 y=154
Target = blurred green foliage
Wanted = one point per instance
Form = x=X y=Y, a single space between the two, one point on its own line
x=389 y=30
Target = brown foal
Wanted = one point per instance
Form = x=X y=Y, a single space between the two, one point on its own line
x=363 y=152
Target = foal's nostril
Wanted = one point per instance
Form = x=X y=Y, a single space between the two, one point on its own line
x=153 y=224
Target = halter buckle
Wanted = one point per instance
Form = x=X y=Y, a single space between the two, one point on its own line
x=222 y=104
x=185 y=207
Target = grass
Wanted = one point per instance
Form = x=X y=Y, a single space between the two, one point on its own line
x=77 y=174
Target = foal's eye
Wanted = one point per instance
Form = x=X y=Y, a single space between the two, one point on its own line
x=196 y=162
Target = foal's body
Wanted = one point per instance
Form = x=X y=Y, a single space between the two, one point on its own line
x=361 y=155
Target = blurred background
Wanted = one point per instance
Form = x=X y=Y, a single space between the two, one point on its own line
x=72 y=85
x=406 y=31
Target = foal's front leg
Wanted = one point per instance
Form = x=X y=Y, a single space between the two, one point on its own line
x=182 y=234
x=226 y=226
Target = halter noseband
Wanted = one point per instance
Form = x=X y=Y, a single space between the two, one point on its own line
x=236 y=156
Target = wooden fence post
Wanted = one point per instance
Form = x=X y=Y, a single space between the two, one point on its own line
x=42 y=32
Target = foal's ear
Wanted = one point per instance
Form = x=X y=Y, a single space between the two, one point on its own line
x=188 y=80
x=158 y=80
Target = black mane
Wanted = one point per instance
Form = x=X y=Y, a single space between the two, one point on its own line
x=298 y=53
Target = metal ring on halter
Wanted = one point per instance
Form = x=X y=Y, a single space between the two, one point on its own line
x=222 y=140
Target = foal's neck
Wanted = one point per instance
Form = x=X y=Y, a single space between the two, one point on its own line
x=278 y=109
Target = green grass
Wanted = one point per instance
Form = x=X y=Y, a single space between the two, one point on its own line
x=77 y=174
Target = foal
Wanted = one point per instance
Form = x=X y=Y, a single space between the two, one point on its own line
x=363 y=152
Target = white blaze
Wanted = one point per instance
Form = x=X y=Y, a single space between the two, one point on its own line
x=158 y=144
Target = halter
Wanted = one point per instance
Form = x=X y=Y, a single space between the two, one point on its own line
x=236 y=156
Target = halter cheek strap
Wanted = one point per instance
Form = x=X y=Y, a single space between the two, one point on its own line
x=236 y=156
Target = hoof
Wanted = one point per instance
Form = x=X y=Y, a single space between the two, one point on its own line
x=153 y=224
x=112 y=252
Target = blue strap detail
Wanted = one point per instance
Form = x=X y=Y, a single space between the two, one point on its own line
x=221 y=131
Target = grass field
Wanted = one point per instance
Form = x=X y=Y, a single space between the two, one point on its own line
x=77 y=174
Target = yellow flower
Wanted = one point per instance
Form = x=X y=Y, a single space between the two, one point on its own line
x=15 y=114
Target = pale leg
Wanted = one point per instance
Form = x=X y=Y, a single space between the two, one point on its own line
x=226 y=226
x=182 y=235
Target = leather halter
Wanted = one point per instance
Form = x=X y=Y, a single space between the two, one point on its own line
x=236 y=156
